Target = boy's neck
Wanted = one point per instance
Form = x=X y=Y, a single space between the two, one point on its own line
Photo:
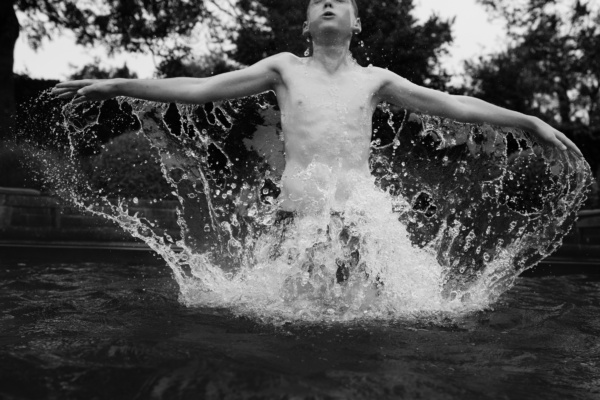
x=332 y=56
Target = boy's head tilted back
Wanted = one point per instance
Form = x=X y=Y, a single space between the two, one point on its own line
x=352 y=2
x=331 y=17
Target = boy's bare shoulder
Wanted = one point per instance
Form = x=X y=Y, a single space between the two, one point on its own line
x=386 y=79
x=384 y=74
x=283 y=59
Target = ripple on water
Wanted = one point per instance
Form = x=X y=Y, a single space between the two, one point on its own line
x=540 y=340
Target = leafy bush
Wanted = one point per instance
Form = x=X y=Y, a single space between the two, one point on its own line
x=128 y=167
x=15 y=169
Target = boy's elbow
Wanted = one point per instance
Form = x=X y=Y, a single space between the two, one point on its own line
x=461 y=112
x=468 y=109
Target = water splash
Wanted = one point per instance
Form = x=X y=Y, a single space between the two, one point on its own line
x=450 y=217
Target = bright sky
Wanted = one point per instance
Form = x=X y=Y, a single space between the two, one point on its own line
x=474 y=35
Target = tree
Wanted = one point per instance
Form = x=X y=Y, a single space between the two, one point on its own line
x=391 y=37
x=171 y=67
x=96 y=71
x=9 y=32
x=119 y=25
x=550 y=68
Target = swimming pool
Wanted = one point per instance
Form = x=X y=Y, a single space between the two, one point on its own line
x=75 y=327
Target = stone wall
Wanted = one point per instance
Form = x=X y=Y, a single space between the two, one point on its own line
x=26 y=215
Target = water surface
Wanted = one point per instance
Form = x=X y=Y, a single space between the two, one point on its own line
x=72 y=327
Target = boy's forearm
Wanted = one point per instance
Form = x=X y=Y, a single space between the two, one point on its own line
x=479 y=111
x=179 y=90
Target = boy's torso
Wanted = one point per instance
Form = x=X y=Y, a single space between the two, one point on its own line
x=327 y=124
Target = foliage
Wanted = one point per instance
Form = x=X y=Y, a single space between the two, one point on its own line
x=171 y=67
x=27 y=89
x=555 y=54
x=95 y=71
x=550 y=68
x=391 y=37
x=162 y=28
x=15 y=171
x=127 y=166
x=123 y=25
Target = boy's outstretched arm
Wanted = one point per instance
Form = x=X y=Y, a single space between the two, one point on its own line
x=258 y=78
x=403 y=93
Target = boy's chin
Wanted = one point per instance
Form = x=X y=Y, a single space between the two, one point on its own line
x=332 y=29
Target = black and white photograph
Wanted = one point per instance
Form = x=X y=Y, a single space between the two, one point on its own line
x=300 y=199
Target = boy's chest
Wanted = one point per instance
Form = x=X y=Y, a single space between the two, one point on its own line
x=349 y=94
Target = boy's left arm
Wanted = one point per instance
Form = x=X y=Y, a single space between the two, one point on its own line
x=403 y=93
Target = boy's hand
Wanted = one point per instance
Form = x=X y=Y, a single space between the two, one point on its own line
x=550 y=136
x=86 y=90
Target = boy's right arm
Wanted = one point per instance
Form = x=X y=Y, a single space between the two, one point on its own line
x=260 y=77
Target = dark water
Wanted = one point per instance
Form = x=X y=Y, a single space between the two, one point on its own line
x=71 y=328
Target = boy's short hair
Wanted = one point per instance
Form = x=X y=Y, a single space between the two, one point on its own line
x=354 y=4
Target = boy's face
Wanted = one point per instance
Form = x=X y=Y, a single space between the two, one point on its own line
x=335 y=15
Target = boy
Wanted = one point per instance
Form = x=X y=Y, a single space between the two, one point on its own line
x=326 y=103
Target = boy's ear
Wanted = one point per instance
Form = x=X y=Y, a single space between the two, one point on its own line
x=357 y=27
x=305 y=30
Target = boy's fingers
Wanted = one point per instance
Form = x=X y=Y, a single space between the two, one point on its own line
x=56 y=91
x=73 y=84
x=572 y=146
x=79 y=100
x=568 y=142
x=67 y=95
x=560 y=144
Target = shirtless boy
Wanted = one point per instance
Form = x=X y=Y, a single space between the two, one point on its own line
x=326 y=101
